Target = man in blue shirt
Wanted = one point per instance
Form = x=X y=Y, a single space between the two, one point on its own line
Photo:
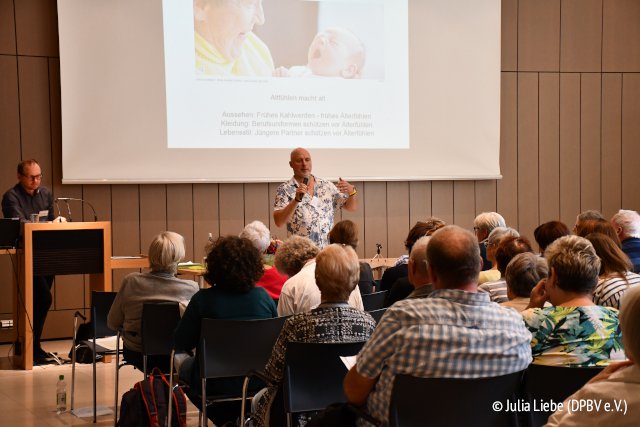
x=627 y=225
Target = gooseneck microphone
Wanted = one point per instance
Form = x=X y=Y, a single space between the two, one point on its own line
x=69 y=199
x=305 y=181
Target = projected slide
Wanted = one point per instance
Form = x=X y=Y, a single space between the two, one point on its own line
x=333 y=74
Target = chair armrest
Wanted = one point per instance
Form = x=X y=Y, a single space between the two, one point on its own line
x=261 y=375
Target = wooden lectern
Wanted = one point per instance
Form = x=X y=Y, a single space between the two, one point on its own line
x=59 y=248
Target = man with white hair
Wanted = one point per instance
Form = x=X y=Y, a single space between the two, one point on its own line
x=627 y=225
x=484 y=224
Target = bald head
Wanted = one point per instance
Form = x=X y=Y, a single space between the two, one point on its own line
x=418 y=271
x=300 y=163
x=454 y=259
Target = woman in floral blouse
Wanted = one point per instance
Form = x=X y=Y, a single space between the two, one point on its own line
x=574 y=331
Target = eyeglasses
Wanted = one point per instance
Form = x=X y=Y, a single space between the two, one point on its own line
x=33 y=177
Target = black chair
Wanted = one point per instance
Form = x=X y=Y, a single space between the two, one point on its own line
x=437 y=401
x=313 y=375
x=377 y=314
x=159 y=320
x=374 y=301
x=546 y=383
x=101 y=303
x=233 y=348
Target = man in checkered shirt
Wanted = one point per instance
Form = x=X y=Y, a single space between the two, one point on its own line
x=455 y=332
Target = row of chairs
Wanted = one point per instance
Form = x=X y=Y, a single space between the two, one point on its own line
x=248 y=345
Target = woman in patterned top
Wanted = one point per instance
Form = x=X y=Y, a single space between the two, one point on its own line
x=333 y=321
x=616 y=275
x=574 y=331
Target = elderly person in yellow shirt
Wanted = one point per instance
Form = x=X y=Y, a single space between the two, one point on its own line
x=224 y=39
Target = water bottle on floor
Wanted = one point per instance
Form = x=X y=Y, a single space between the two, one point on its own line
x=61 y=395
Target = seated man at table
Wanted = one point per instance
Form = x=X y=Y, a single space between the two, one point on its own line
x=455 y=332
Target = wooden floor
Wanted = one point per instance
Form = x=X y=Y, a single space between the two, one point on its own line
x=28 y=398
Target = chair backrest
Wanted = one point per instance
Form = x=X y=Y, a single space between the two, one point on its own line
x=101 y=303
x=374 y=301
x=313 y=374
x=232 y=348
x=450 y=402
x=159 y=320
x=377 y=314
x=555 y=383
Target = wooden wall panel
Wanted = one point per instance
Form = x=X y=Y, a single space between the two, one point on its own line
x=581 y=42
x=507 y=201
x=485 y=196
x=611 y=143
x=205 y=217
x=180 y=214
x=257 y=203
x=419 y=201
x=35 y=125
x=630 y=141
x=153 y=214
x=509 y=36
x=569 y=147
x=538 y=35
x=442 y=200
x=590 y=153
x=125 y=225
x=464 y=203
x=7 y=28
x=231 y=208
x=9 y=121
x=59 y=324
x=397 y=214
x=621 y=36
x=374 y=209
x=527 y=154
x=549 y=146
x=36 y=27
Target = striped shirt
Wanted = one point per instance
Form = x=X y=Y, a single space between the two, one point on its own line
x=448 y=334
x=609 y=290
x=497 y=290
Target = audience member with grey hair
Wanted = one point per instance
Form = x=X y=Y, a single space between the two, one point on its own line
x=294 y=253
x=299 y=294
x=484 y=224
x=523 y=273
x=272 y=280
x=417 y=284
x=258 y=234
x=491 y=244
x=573 y=331
x=160 y=284
x=627 y=226
x=588 y=215
x=618 y=382
x=333 y=321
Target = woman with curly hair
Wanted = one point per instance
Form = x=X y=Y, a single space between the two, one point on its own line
x=233 y=266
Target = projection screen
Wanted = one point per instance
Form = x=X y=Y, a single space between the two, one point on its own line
x=168 y=91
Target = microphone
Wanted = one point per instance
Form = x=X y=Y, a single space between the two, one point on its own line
x=305 y=181
x=58 y=206
x=68 y=199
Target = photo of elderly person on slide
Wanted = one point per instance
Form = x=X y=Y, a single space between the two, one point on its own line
x=334 y=52
x=225 y=44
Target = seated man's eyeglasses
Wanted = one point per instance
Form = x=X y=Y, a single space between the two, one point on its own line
x=33 y=177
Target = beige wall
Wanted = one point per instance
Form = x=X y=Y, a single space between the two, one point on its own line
x=570 y=141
